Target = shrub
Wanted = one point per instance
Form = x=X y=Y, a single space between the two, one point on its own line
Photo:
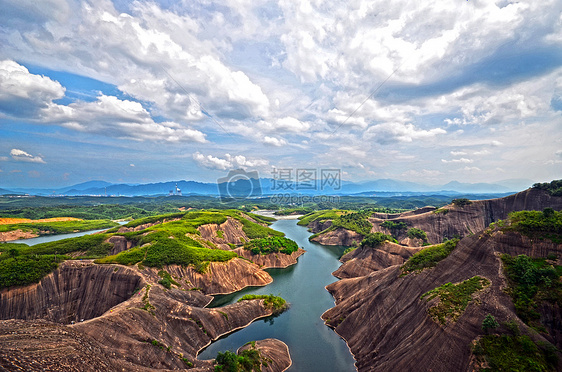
x=489 y=322
x=376 y=239
x=24 y=270
x=554 y=188
x=271 y=245
x=415 y=233
x=277 y=304
x=461 y=202
x=515 y=353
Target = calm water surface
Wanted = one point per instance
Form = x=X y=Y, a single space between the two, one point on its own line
x=313 y=346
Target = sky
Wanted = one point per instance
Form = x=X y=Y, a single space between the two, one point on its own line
x=139 y=92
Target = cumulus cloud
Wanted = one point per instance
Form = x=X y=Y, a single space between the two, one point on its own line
x=20 y=155
x=229 y=162
x=22 y=94
x=274 y=141
x=458 y=153
x=113 y=117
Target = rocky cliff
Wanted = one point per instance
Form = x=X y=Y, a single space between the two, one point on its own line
x=365 y=260
x=387 y=326
x=272 y=260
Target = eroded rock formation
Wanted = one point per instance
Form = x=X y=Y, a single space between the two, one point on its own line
x=387 y=326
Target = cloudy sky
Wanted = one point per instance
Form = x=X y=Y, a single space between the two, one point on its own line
x=155 y=91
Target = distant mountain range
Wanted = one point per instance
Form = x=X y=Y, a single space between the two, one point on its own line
x=381 y=187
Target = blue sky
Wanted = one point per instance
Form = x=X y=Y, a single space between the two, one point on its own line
x=154 y=91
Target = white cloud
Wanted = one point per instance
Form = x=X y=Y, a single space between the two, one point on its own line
x=274 y=141
x=471 y=169
x=461 y=160
x=399 y=132
x=110 y=116
x=131 y=165
x=458 y=153
x=229 y=162
x=22 y=93
x=20 y=155
x=496 y=143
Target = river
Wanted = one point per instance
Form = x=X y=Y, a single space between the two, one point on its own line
x=313 y=346
x=52 y=238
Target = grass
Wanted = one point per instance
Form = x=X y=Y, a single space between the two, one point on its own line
x=58 y=227
x=454 y=298
x=271 y=245
x=428 y=257
x=530 y=283
x=276 y=303
x=255 y=231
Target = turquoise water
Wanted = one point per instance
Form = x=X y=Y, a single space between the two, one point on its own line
x=313 y=346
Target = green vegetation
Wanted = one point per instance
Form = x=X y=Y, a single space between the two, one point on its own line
x=167 y=279
x=428 y=257
x=89 y=245
x=255 y=231
x=554 y=188
x=489 y=322
x=461 y=202
x=415 y=233
x=532 y=282
x=394 y=227
x=454 y=298
x=58 y=227
x=515 y=352
x=348 y=250
x=249 y=360
x=27 y=269
x=262 y=219
x=271 y=245
x=320 y=216
x=354 y=221
x=277 y=304
x=376 y=239
x=220 y=234
x=291 y=211
x=443 y=211
x=538 y=225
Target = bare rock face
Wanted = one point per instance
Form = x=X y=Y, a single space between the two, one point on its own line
x=453 y=220
x=339 y=236
x=317 y=226
x=365 y=260
x=220 y=277
x=179 y=329
x=76 y=290
x=120 y=244
x=16 y=235
x=272 y=260
x=44 y=346
x=387 y=326
x=230 y=233
x=275 y=350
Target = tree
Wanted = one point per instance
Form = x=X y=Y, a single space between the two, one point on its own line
x=489 y=322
